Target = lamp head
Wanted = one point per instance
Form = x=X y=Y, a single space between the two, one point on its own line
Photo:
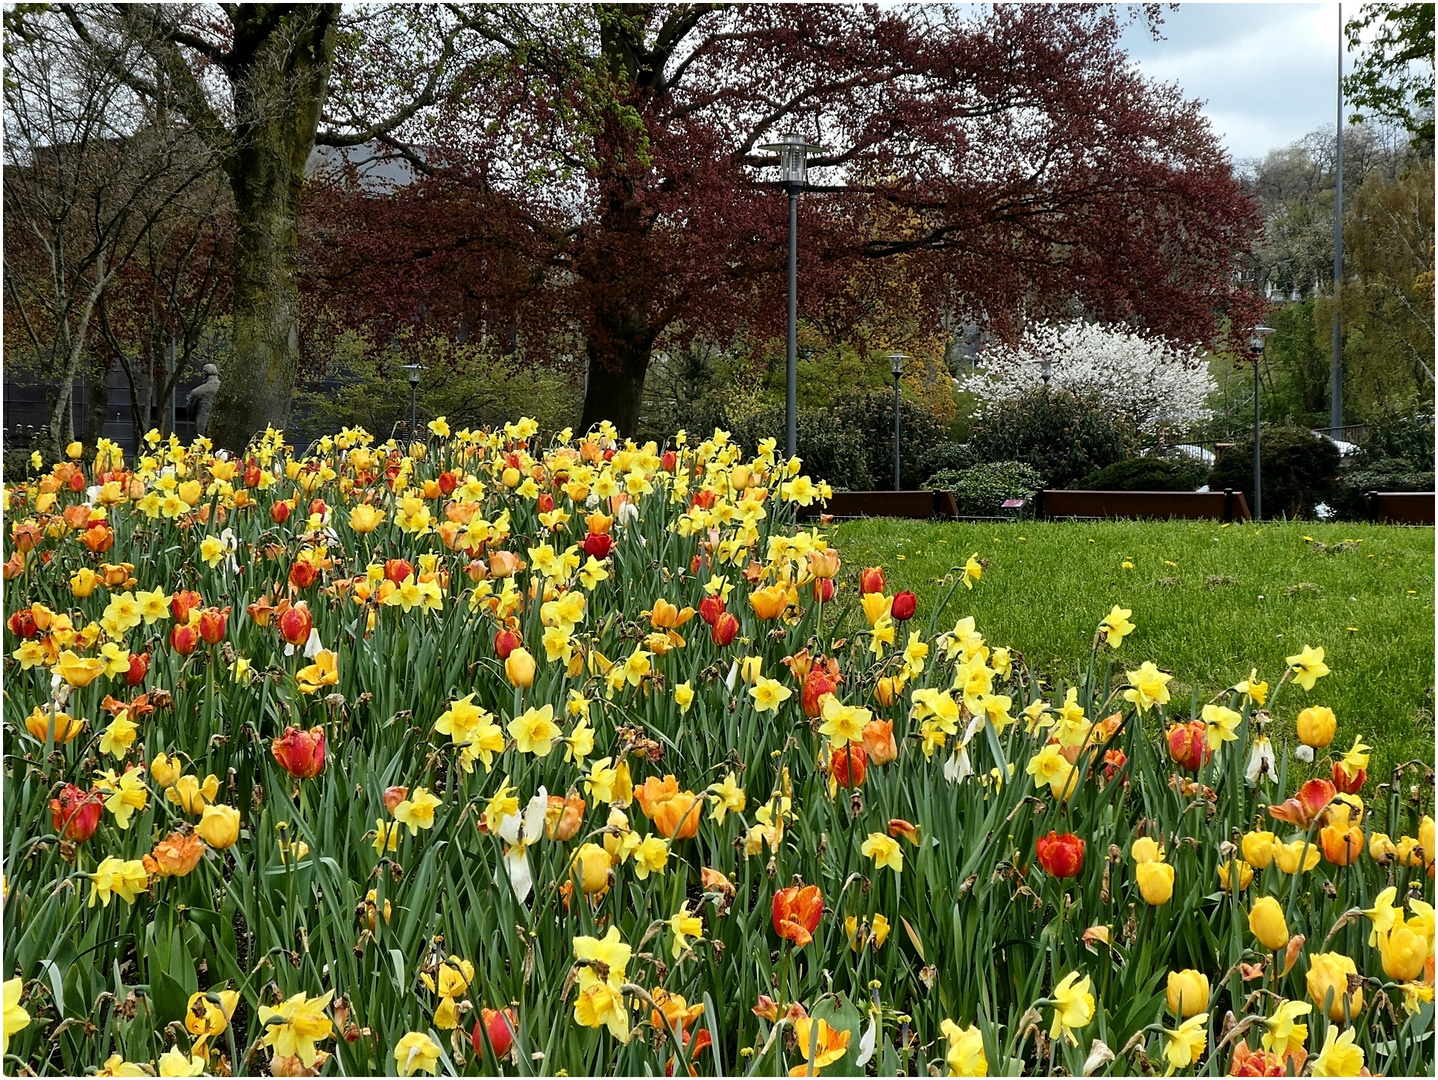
x=413 y=371
x=793 y=154
x=896 y=363
x=1257 y=336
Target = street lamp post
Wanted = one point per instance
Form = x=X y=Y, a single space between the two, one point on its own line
x=1255 y=345
x=896 y=364
x=793 y=154
x=413 y=370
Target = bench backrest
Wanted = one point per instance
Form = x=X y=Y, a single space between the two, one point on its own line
x=1402 y=507
x=1224 y=505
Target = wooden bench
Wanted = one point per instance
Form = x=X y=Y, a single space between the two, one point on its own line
x=1401 y=507
x=1226 y=505
x=893 y=504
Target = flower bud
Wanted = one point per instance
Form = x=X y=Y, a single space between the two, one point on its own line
x=519 y=668
x=1187 y=993
x=1155 y=881
x=219 y=826
x=1269 y=926
x=904 y=606
x=1317 y=726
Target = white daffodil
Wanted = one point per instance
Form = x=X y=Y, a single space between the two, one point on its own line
x=518 y=832
x=1261 y=762
x=958 y=768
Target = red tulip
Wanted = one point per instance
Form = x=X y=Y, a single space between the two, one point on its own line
x=184 y=639
x=598 y=545
x=296 y=623
x=816 y=684
x=823 y=590
x=22 y=623
x=303 y=574
x=505 y=642
x=545 y=502
x=871 y=580
x=499 y=1026
x=849 y=765
x=397 y=570
x=725 y=628
x=448 y=481
x=1060 y=854
x=904 y=606
x=669 y=461
x=212 y=624
x=1350 y=783
x=300 y=753
x=1188 y=745
x=318 y=506
x=252 y=476
x=797 y=910
x=184 y=602
x=76 y=812
x=280 y=512
x=139 y=668
x=710 y=608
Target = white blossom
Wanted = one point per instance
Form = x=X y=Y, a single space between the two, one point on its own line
x=1160 y=383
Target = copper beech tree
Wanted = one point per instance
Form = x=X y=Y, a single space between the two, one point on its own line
x=1007 y=164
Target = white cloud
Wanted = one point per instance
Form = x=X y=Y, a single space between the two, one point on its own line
x=1265 y=72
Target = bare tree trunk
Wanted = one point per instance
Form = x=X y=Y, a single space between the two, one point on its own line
x=617 y=366
x=279 y=104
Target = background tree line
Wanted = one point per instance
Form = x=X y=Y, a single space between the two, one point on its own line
x=563 y=209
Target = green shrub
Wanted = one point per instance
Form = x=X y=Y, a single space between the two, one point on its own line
x=830 y=450
x=980 y=490
x=1298 y=467
x=949 y=456
x=850 y=445
x=1146 y=474
x=1406 y=439
x=1062 y=435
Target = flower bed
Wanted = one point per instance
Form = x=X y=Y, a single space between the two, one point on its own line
x=488 y=757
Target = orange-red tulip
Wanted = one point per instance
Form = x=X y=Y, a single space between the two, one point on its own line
x=797 y=910
x=300 y=753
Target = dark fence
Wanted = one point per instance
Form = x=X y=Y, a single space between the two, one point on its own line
x=27 y=412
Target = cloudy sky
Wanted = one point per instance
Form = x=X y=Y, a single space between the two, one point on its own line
x=1265 y=72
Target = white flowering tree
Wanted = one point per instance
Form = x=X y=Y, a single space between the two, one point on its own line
x=1161 y=383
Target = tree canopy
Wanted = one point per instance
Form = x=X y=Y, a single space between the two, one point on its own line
x=1006 y=164
x=1393 y=78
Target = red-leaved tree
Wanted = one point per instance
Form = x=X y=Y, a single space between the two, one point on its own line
x=1008 y=165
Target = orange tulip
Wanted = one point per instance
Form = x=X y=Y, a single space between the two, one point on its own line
x=879 y=743
x=1341 y=844
x=770 y=602
x=176 y=855
x=1304 y=807
x=675 y=813
x=797 y=910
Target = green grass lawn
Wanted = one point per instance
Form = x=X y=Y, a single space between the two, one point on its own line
x=1209 y=603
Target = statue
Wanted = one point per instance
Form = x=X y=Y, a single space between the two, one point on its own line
x=201 y=401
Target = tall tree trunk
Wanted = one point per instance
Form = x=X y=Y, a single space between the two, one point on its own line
x=278 y=99
x=617 y=366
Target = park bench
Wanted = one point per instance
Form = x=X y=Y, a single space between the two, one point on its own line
x=893 y=504
x=1226 y=505
x=1401 y=507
